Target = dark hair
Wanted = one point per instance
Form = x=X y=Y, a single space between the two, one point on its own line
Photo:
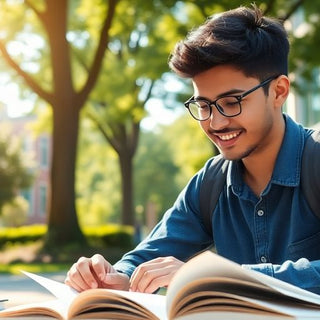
x=243 y=37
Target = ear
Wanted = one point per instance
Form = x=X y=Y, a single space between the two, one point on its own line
x=280 y=90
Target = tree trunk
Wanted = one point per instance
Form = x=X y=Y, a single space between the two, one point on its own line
x=63 y=227
x=127 y=211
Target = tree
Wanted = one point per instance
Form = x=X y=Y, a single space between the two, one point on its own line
x=189 y=146
x=15 y=168
x=14 y=214
x=155 y=172
x=51 y=21
x=98 y=180
x=137 y=58
x=64 y=69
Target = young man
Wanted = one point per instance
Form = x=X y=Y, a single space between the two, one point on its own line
x=238 y=66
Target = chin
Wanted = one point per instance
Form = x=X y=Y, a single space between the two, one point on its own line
x=236 y=157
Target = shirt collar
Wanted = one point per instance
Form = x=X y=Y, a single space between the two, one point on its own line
x=288 y=164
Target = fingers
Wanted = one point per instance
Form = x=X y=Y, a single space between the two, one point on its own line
x=87 y=273
x=154 y=274
x=100 y=266
x=118 y=281
x=94 y=272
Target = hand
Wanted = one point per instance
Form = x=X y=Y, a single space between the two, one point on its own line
x=95 y=272
x=154 y=274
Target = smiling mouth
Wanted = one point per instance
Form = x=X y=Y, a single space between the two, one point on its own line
x=230 y=136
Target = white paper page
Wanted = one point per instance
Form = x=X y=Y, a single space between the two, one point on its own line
x=58 y=289
x=57 y=305
x=287 y=309
x=154 y=302
x=233 y=316
x=285 y=288
x=209 y=264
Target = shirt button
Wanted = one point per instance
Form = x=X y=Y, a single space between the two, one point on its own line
x=260 y=213
x=263 y=259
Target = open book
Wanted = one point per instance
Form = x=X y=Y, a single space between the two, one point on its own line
x=206 y=287
x=2 y=300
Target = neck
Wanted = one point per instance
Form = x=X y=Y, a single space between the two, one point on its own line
x=260 y=164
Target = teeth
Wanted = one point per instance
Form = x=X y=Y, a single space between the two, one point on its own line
x=229 y=136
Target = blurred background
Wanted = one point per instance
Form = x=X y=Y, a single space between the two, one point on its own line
x=95 y=143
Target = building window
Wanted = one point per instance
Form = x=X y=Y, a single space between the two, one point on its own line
x=44 y=151
x=43 y=200
x=27 y=194
x=27 y=144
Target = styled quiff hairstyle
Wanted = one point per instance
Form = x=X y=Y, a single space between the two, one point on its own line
x=243 y=38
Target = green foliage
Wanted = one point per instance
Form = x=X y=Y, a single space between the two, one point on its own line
x=140 y=42
x=21 y=235
x=305 y=42
x=189 y=146
x=15 y=214
x=15 y=167
x=155 y=172
x=34 y=267
x=97 y=179
x=103 y=236
x=110 y=236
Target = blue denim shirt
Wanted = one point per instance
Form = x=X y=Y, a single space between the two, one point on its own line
x=276 y=233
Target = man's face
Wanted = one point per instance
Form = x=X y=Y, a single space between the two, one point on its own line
x=248 y=133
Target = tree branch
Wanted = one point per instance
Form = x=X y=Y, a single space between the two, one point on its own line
x=269 y=7
x=292 y=10
x=100 y=126
x=27 y=78
x=97 y=61
x=36 y=11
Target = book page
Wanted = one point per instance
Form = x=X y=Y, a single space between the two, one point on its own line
x=285 y=287
x=234 y=316
x=52 y=308
x=58 y=289
x=154 y=303
x=221 y=296
x=130 y=304
x=68 y=298
x=1 y=301
x=209 y=264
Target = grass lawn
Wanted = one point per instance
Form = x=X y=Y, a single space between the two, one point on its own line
x=26 y=257
x=15 y=268
x=22 y=257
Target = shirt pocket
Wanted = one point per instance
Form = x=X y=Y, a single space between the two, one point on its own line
x=308 y=248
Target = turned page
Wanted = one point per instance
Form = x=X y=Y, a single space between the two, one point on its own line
x=209 y=264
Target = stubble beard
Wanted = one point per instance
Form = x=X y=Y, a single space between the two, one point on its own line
x=241 y=156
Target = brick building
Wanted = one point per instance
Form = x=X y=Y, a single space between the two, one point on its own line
x=40 y=148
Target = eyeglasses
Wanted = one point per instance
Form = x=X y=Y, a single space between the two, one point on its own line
x=229 y=106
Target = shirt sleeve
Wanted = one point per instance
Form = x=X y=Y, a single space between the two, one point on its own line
x=180 y=233
x=302 y=273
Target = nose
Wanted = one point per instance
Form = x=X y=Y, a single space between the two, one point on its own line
x=217 y=120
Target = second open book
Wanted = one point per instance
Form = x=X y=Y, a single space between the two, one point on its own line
x=206 y=287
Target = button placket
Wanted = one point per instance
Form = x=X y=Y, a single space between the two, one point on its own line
x=261 y=231
x=260 y=212
x=263 y=259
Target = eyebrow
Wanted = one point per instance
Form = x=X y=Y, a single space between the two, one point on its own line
x=223 y=94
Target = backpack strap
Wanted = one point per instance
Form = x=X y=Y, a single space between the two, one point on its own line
x=310 y=172
x=210 y=190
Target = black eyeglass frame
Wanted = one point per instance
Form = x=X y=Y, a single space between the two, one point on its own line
x=214 y=102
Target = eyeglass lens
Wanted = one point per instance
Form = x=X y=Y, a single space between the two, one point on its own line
x=227 y=106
